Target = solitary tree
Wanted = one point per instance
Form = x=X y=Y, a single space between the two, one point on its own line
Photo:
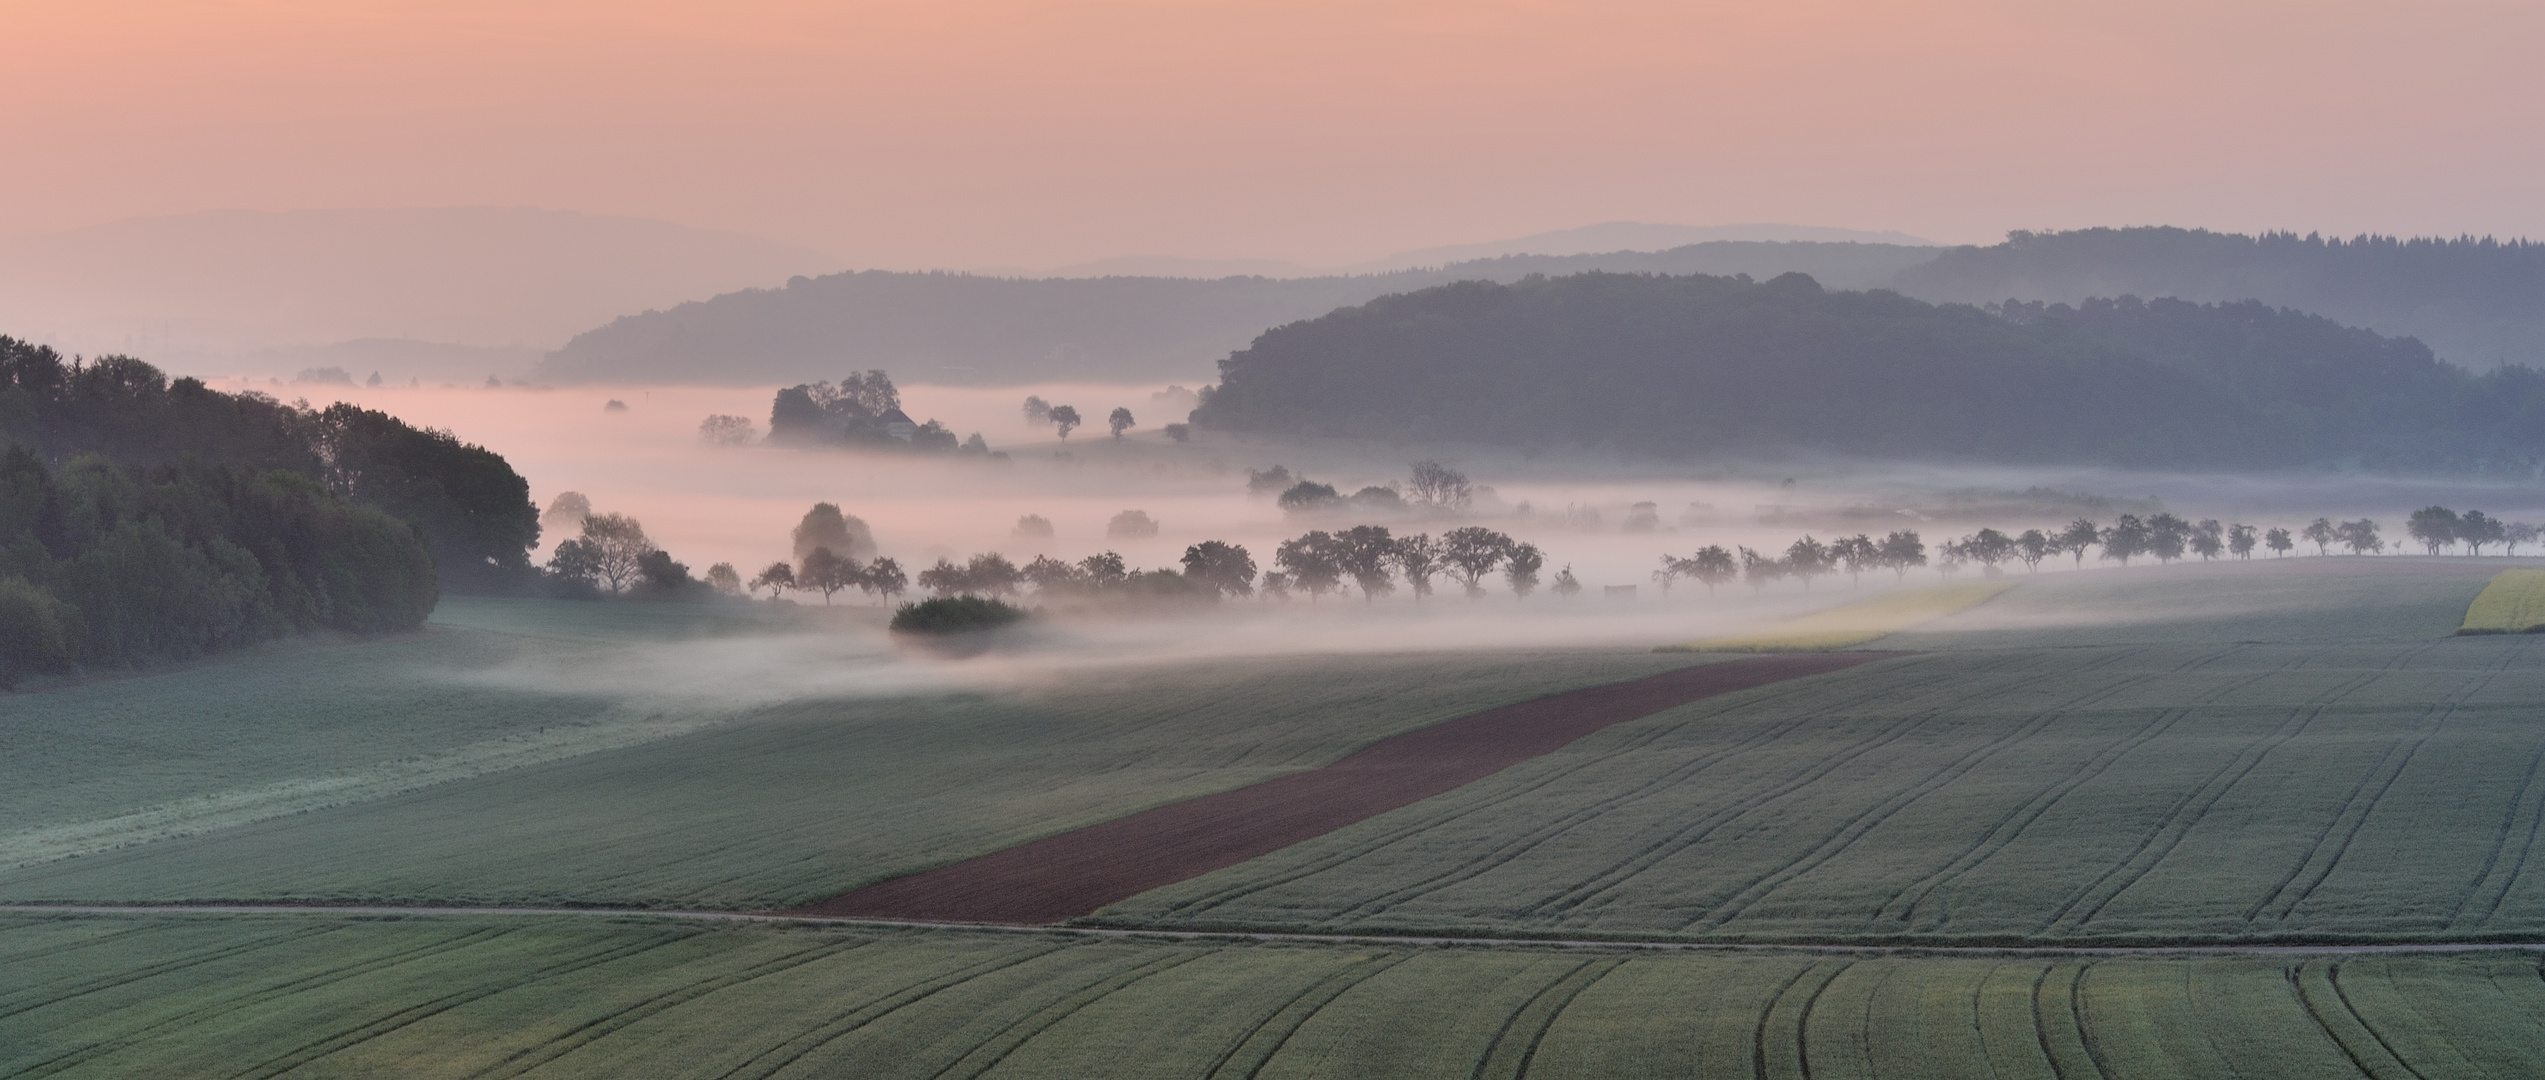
x=1759 y=570
x=1313 y=562
x=1368 y=553
x=885 y=578
x=1988 y=547
x=618 y=544
x=1037 y=411
x=2127 y=539
x=2360 y=536
x=2240 y=540
x=944 y=579
x=1857 y=554
x=776 y=577
x=2435 y=526
x=1064 y=417
x=1132 y=524
x=1032 y=527
x=825 y=526
x=1807 y=559
x=991 y=574
x=2033 y=546
x=1903 y=551
x=1566 y=585
x=2208 y=539
x=2166 y=536
x=724 y=430
x=1520 y=567
x=2516 y=533
x=2321 y=532
x=1714 y=566
x=1672 y=569
x=826 y=572
x=565 y=514
x=724 y=578
x=1120 y=422
x=1438 y=485
x=2279 y=541
x=1224 y=567
x=2078 y=538
x=1308 y=497
x=1469 y=553
x=2477 y=528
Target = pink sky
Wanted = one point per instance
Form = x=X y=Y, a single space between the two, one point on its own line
x=981 y=132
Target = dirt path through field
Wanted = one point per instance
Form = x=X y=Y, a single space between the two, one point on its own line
x=1075 y=873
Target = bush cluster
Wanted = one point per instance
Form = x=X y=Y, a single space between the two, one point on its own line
x=954 y=615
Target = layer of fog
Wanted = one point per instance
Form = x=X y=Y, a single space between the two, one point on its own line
x=707 y=504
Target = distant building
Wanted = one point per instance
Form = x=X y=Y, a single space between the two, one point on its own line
x=897 y=424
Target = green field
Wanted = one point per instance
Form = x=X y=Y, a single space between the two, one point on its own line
x=569 y=996
x=2152 y=792
x=2293 y=751
x=758 y=807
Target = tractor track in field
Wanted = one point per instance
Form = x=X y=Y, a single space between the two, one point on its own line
x=1944 y=947
x=1075 y=873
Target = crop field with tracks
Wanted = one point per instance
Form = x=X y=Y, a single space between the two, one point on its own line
x=1887 y=870
x=707 y=805
x=578 y=996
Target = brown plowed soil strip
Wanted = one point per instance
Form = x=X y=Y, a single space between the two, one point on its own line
x=1075 y=873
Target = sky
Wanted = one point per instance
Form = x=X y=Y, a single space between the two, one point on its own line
x=963 y=133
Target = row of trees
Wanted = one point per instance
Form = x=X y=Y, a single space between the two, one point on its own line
x=1372 y=559
x=2438 y=528
x=105 y=566
x=2164 y=537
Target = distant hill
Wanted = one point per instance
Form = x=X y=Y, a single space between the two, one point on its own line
x=1707 y=364
x=2476 y=302
x=963 y=328
x=1611 y=236
x=464 y=288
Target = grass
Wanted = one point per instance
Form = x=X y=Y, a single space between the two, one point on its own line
x=798 y=800
x=453 y=996
x=2514 y=603
x=1854 y=624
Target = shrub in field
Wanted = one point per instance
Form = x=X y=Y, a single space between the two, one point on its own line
x=954 y=615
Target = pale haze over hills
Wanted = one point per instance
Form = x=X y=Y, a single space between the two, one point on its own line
x=435 y=292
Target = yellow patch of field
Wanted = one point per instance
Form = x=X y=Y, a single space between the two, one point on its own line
x=1853 y=624
x=2514 y=603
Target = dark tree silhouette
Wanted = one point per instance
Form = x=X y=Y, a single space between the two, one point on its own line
x=1120 y=421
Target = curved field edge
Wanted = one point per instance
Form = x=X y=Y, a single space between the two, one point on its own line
x=1850 y=625
x=491 y=996
x=2514 y=603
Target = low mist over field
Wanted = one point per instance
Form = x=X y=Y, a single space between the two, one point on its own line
x=1610 y=521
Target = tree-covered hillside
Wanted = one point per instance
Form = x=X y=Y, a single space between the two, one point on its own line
x=105 y=566
x=963 y=328
x=1674 y=365
x=473 y=510
x=2477 y=302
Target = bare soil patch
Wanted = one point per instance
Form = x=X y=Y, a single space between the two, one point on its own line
x=1075 y=873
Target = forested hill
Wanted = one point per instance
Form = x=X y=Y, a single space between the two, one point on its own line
x=1675 y=365
x=962 y=328
x=472 y=509
x=2476 y=302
